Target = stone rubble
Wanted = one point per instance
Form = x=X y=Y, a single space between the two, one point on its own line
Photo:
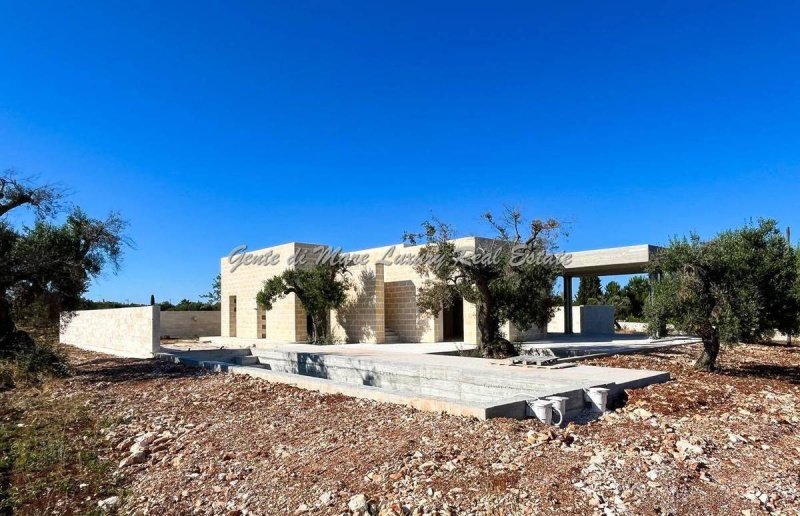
x=195 y=442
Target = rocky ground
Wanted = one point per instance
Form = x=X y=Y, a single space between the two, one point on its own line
x=179 y=440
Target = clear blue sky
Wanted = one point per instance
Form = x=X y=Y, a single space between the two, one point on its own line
x=209 y=125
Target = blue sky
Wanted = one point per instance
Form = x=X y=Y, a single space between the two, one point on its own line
x=209 y=125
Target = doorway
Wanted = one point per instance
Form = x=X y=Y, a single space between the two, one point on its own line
x=453 y=321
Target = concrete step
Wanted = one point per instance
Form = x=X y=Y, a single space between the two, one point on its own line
x=391 y=336
x=246 y=360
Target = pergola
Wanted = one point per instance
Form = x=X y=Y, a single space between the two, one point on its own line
x=631 y=259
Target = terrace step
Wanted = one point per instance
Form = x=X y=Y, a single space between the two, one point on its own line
x=391 y=336
x=246 y=360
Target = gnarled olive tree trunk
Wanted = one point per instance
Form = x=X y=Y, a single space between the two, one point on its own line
x=7 y=326
x=492 y=343
x=708 y=358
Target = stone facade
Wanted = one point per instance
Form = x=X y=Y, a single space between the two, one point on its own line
x=383 y=298
x=287 y=319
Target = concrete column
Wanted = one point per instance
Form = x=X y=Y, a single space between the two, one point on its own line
x=567 y=304
x=654 y=278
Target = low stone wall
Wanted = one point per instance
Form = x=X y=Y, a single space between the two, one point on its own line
x=586 y=319
x=125 y=332
x=179 y=324
x=638 y=327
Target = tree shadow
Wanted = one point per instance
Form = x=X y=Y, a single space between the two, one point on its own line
x=790 y=374
x=397 y=315
x=354 y=317
x=115 y=370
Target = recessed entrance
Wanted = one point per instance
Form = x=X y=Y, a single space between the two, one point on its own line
x=453 y=321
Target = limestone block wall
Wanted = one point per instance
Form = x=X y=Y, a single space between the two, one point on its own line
x=402 y=284
x=515 y=334
x=286 y=321
x=362 y=319
x=556 y=324
x=472 y=335
x=586 y=319
x=179 y=324
x=402 y=314
x=125 y=332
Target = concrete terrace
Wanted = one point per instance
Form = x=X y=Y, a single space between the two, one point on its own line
x=425 y=376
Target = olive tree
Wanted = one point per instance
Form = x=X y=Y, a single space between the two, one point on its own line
x=509 y=278
x=320 y=287
x=45 y=268
x=738 y=286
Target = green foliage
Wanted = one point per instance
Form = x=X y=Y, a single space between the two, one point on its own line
x=638 y=293
x=214 y=296
x=503 y=287
x=30 y=362
x=49 y=446
x=88 y=304
x=628 y=301
x=617 y=296
x=589 y=291
x=46 y=268
x=320 y=288
x=185 y=305
x=739 y=286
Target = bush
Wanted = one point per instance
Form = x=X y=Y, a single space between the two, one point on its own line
x=27 y=361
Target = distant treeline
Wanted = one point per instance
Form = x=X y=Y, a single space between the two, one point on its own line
x=184 y=305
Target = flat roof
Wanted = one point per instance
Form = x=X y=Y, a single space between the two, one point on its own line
x=632 y=259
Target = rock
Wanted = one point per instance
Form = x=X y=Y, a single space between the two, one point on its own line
x=734 y=438
x=125 y=443
x=597 y=459
x=326 y=498
x=108 y=503
x=357 y=503
x=146 y=439
x=688 y=448
x=134 y=458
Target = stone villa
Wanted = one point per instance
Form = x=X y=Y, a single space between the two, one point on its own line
x=382 y=306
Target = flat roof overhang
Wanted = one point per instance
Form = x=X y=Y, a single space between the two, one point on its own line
x=631 y=259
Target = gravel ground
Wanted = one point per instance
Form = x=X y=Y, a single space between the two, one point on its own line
x=190 y=441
